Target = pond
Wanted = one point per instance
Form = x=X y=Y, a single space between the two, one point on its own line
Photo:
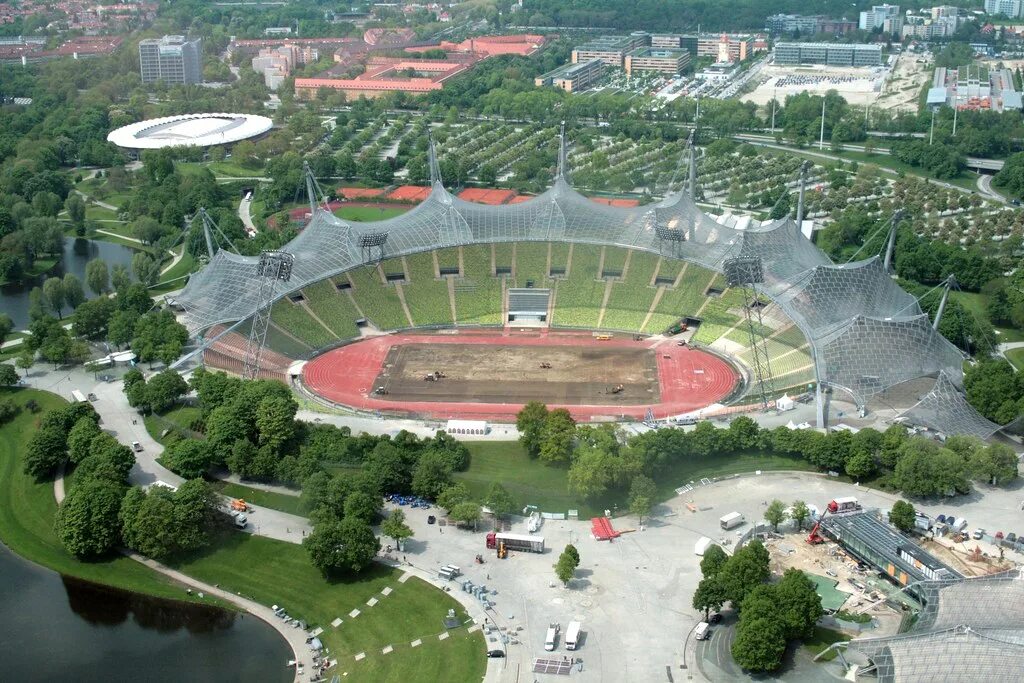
x=54 y=628
x=77 y=252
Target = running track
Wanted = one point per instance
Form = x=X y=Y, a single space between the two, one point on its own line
x=689 y=379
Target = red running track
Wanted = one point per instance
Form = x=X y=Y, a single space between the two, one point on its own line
x=689 y=379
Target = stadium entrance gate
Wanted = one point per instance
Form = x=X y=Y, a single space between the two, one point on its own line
x=528 y=305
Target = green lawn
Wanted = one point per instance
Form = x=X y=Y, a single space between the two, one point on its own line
x=1016 y=357
x=365 y=214
x=180 y=416
x=27 y=510
x=262 y=499
x=822 y=638
x=175 y=277
x=977 y=304
x=229 y=168
x=277 y=573
x=98 y=213
x=531 y=482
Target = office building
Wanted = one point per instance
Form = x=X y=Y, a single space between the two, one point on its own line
x=831 y=54
x=572 y=77
x=876 y=17
x=171 y=59
x=1009 y=8
x=791 y=23
x=725 y=47
x=611 y=50
x=664 y=60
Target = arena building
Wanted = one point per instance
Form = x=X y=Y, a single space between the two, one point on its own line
x=190 y=130
x=845 y=333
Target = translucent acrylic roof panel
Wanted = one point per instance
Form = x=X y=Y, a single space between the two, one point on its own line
x=945 y=409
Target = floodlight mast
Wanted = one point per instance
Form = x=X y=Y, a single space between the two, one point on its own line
x=746 y=272
x=273 y=266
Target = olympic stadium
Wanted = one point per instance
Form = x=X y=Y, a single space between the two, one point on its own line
x=484 y=297
x=190 y=130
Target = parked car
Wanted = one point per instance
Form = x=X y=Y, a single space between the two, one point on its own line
x=941 y=518
x=136 y=446
x=431 y=519
x=1011 y=537
x=999 y=535
x=714 y=618
x=978 y=533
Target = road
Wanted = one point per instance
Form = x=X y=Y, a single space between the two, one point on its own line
x=985 y=188
x=755 y=140
x=245 y=213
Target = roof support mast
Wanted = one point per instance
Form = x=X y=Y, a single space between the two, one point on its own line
x=693 y=180
x=800 y=200
x=950 y=282
x=891 y=246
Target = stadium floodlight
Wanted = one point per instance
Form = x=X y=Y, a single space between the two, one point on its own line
x=272 y=267
x=372 y=244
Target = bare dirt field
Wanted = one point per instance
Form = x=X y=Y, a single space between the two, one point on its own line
x=578 y=375
x=903 y=87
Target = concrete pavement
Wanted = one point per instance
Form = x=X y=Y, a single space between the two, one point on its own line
x=245 y=213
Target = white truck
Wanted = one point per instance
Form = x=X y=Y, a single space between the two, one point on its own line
x=731 y=520
x=572 y=635
x=848 y=504
x=702 y=545
x=703 y=631
x=240 y=520
x=552 y=637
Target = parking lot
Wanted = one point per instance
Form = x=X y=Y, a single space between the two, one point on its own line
x=633 y=594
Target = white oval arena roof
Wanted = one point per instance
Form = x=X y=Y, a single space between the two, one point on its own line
x=190 y=130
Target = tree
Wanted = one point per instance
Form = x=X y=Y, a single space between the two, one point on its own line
x=710 y=595
x=452 y=496
x=45 y=451
x=467 y=512
x=775 y=514
x=25 y=360
x=147 y=521
x=80 y=439
x=759 y=645
x=120 y=276
x=572 y=552
x=97 y=277
x=158 y=336
x=499 y=501
x=557 y=437
x=73 y=292
x=432 y=475
x=87 y=522
x=106 y=447
x=797 y=603
x=8 y=375
x=746 y=570
x=53 y=294
x=927 y=469
x=91 y=319
x=530 y=422
x=337 y=547
x=362 y=506
x=76 y=210
x=641 y=496
x=564 y=569
x=902 y=515
x=713 y=561
x=6 y=325
x=164 y=389
x=593 y=471
x=121 y=327
x=799 y=512
x=395 y=527
x=189 y=458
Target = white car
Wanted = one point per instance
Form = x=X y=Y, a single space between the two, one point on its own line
x=978 y=533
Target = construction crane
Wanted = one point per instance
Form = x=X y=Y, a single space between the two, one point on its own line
x=814 y=537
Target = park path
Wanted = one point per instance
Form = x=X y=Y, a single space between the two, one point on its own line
x=245 y=213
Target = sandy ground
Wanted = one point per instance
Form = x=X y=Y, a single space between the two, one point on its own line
x=903 y=87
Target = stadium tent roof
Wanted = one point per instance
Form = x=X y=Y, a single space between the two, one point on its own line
x=969 y=630
x=866 y=333
x=190 y=130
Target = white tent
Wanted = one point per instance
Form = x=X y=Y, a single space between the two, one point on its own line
x=785 y=403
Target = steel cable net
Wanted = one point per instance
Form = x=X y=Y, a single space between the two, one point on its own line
x=968 y=629
x=945 y=409
x=865 y=332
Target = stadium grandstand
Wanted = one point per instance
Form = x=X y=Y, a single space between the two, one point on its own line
x=848 y=329
x=968 y=629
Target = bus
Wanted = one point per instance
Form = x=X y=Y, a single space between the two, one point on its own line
x=572 y=635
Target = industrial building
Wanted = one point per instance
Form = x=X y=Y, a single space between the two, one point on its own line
x=171 y=59
x=663 y=60
x=875 y=542
x=611 y=50
x=572 y=77
x=831 y=54
x=974 y=88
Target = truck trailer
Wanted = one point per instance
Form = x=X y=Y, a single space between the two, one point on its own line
x=848 y=504
x=731 y=520
x=702 y=545
x=533 y=544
